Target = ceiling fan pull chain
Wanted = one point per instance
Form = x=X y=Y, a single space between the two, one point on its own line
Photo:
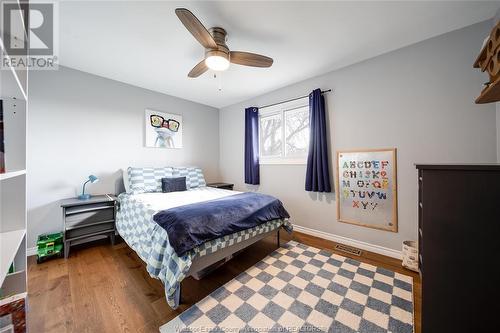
x=219 y=81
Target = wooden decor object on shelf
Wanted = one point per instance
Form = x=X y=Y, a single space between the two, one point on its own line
x=489 y=48
x=489 y=60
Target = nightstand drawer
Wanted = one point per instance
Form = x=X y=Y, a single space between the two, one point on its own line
x=90 y=230
x=89 y=217
x=89 y=207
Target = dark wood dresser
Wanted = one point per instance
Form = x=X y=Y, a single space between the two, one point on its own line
x=459 y=247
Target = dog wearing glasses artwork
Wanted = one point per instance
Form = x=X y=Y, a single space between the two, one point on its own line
x=163 y=130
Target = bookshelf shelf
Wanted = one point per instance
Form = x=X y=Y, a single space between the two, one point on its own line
x=11 y=174
x=13 y=298
x=10 y=242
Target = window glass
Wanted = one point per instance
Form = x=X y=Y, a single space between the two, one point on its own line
x=271 y=136
x=296 y=132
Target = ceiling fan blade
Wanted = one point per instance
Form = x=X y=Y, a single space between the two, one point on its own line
x=250 y=59
x=199 y=69
x=195 y=27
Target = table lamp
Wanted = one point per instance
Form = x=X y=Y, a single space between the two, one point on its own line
x=85 y=196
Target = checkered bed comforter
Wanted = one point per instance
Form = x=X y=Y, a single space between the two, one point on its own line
x=134 y=222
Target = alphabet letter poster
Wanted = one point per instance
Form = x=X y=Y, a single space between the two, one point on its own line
x=367 y=188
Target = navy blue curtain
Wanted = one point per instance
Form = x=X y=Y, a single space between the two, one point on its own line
x=252 y=146
x=318 y=173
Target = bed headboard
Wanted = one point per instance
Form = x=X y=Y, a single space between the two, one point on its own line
x=119 y=185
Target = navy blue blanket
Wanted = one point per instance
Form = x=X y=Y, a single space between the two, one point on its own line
x=191 y=225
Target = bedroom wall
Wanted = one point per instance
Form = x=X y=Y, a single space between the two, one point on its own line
x=82 y=124
x=419 y=99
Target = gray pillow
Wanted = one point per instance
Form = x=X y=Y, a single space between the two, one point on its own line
x=173 y=184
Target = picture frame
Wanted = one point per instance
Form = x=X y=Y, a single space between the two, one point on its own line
x=162 y=129
x=366 y=188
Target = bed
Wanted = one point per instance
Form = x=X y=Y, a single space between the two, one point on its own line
x=135 y=224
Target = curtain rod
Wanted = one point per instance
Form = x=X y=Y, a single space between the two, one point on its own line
x=292 y=99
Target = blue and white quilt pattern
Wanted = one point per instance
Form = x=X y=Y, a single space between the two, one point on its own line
x=135 y=224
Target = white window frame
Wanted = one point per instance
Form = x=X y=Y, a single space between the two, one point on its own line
x=280 y=109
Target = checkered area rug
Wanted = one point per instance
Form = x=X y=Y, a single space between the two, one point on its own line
x=299 y=288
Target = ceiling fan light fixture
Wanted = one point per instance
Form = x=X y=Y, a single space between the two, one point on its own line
x=217 y=60
x=217 y=63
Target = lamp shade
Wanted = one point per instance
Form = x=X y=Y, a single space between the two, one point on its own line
x=93 y=179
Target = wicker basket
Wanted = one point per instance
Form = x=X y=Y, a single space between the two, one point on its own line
x=410 y=255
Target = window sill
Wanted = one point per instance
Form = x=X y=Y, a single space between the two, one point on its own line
x=283 y=162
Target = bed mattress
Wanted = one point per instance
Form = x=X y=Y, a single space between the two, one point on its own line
x=134 y=222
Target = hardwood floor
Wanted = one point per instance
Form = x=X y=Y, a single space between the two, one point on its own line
x=106 y=288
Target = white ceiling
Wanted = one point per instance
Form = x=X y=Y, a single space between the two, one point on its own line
x=144 y=44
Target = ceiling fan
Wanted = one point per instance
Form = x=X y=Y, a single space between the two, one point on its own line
x=217 y=54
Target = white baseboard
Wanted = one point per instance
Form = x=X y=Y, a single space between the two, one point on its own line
x=31 y=251
x=349 y=241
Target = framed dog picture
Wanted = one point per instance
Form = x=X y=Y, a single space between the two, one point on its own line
x=367 y=188
x=163 y=130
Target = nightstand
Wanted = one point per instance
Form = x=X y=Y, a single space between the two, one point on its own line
x=225 y=186
x=86 y=220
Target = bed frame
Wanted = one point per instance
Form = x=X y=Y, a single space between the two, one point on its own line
x=202 y=266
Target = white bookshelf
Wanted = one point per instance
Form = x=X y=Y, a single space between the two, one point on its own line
x=14 y=96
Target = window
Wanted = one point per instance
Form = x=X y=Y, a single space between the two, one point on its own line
x=271 y=136
x=284 y=133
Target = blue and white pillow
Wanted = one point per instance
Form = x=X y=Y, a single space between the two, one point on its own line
x=194 y=176
x=144 y=180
